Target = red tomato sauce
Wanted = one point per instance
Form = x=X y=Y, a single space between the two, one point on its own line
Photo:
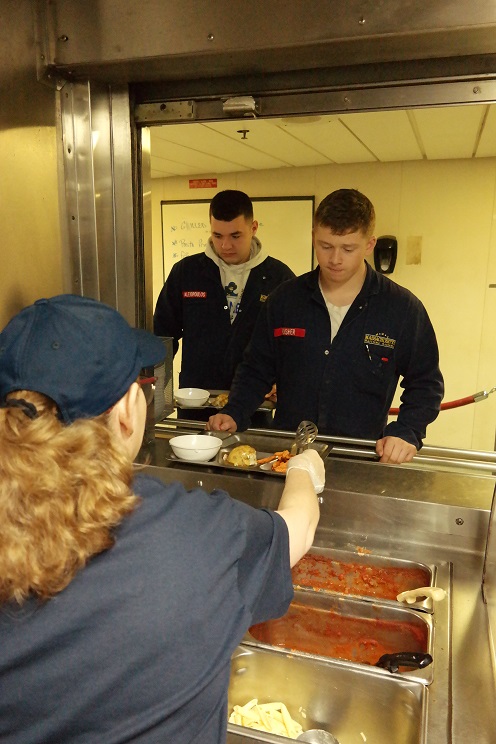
x=327 y=633
x=324 y=573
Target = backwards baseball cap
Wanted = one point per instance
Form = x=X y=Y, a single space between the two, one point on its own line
x=81 y=353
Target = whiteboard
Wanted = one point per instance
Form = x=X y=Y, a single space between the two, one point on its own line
x=284 y=229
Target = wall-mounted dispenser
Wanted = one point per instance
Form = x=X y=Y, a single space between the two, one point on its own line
x=385 y=252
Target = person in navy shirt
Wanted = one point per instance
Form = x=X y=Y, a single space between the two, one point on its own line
x=211 y=300
x=122 y=598
x=337 y=340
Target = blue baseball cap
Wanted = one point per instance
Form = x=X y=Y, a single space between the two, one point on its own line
x=79 y=352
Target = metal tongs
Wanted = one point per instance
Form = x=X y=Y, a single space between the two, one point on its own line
x=306 y=433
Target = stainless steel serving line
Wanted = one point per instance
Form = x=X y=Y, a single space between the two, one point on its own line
x=364 y=449
x=432 y=516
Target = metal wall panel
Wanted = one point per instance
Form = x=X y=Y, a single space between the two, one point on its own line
x=79 y=189
x=110 y=39
x=31 y=245
x=146 y=210
x=489 y=580
x=126 y=243
x=96 y=153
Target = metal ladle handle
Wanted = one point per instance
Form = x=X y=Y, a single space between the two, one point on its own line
x=317 y=736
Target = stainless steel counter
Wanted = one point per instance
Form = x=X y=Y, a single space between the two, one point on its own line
x=421 y=515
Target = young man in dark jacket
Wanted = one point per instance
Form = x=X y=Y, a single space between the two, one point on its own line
x=211 y=300
x=337 y=340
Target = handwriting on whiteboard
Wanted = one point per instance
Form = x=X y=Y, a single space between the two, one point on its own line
x=187 y=237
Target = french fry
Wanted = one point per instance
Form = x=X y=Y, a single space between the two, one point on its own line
x=284 y=455
x=278 y=459
x=263 y=460
x=273 y=718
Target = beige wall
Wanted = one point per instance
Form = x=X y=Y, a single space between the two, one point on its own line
x=448 y=207
x=29 y=213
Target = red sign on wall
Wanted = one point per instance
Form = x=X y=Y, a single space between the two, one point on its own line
x=203 y=183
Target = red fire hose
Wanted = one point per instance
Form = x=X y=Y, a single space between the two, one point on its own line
x=475 y=398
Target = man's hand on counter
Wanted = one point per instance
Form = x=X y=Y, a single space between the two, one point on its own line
x=221 y=422
x=272 y=395
x=395 y=450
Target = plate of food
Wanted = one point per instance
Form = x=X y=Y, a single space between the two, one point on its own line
x=246 y=457
x=219 y=398
x=240 y=455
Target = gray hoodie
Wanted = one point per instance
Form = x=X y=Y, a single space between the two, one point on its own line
x=234 y=277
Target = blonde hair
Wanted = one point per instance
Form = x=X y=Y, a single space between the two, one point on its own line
x=62 y=491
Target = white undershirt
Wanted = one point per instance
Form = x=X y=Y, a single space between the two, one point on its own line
x=336 y=314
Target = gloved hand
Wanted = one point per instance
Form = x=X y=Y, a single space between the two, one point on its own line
x=311 y=461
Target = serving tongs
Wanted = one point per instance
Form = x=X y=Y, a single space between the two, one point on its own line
x=413 y=595
x=306 y=433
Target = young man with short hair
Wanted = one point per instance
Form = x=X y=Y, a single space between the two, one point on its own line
x=211 y=300
x=337 y=340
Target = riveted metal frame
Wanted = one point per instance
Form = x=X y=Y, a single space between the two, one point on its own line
x=98 y=187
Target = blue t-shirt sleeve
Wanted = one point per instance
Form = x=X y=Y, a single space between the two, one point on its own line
x=264 y=572
x=241 y=555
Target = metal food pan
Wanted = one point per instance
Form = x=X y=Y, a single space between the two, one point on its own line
x=351 y=630
x=363 y=574
x=354 y=705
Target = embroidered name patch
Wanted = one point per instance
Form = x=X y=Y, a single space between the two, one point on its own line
x=202 y=295
x=380 y=339
x=299 y=332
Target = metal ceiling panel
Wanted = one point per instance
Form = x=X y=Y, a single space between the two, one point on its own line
x=449 y=133
x=387 y=134
x=329 y=137
x=487 y=142
x=266 y=135
x=221 y=146
x=165 y=167
x=190 y=157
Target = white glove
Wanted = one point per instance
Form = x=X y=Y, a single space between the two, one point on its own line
x=311 y=461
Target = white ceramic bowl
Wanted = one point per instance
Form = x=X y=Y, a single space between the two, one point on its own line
x=191 y=397
x=199 y=447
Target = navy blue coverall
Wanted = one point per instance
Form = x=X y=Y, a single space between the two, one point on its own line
x=345 y=387
x=192 y=306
